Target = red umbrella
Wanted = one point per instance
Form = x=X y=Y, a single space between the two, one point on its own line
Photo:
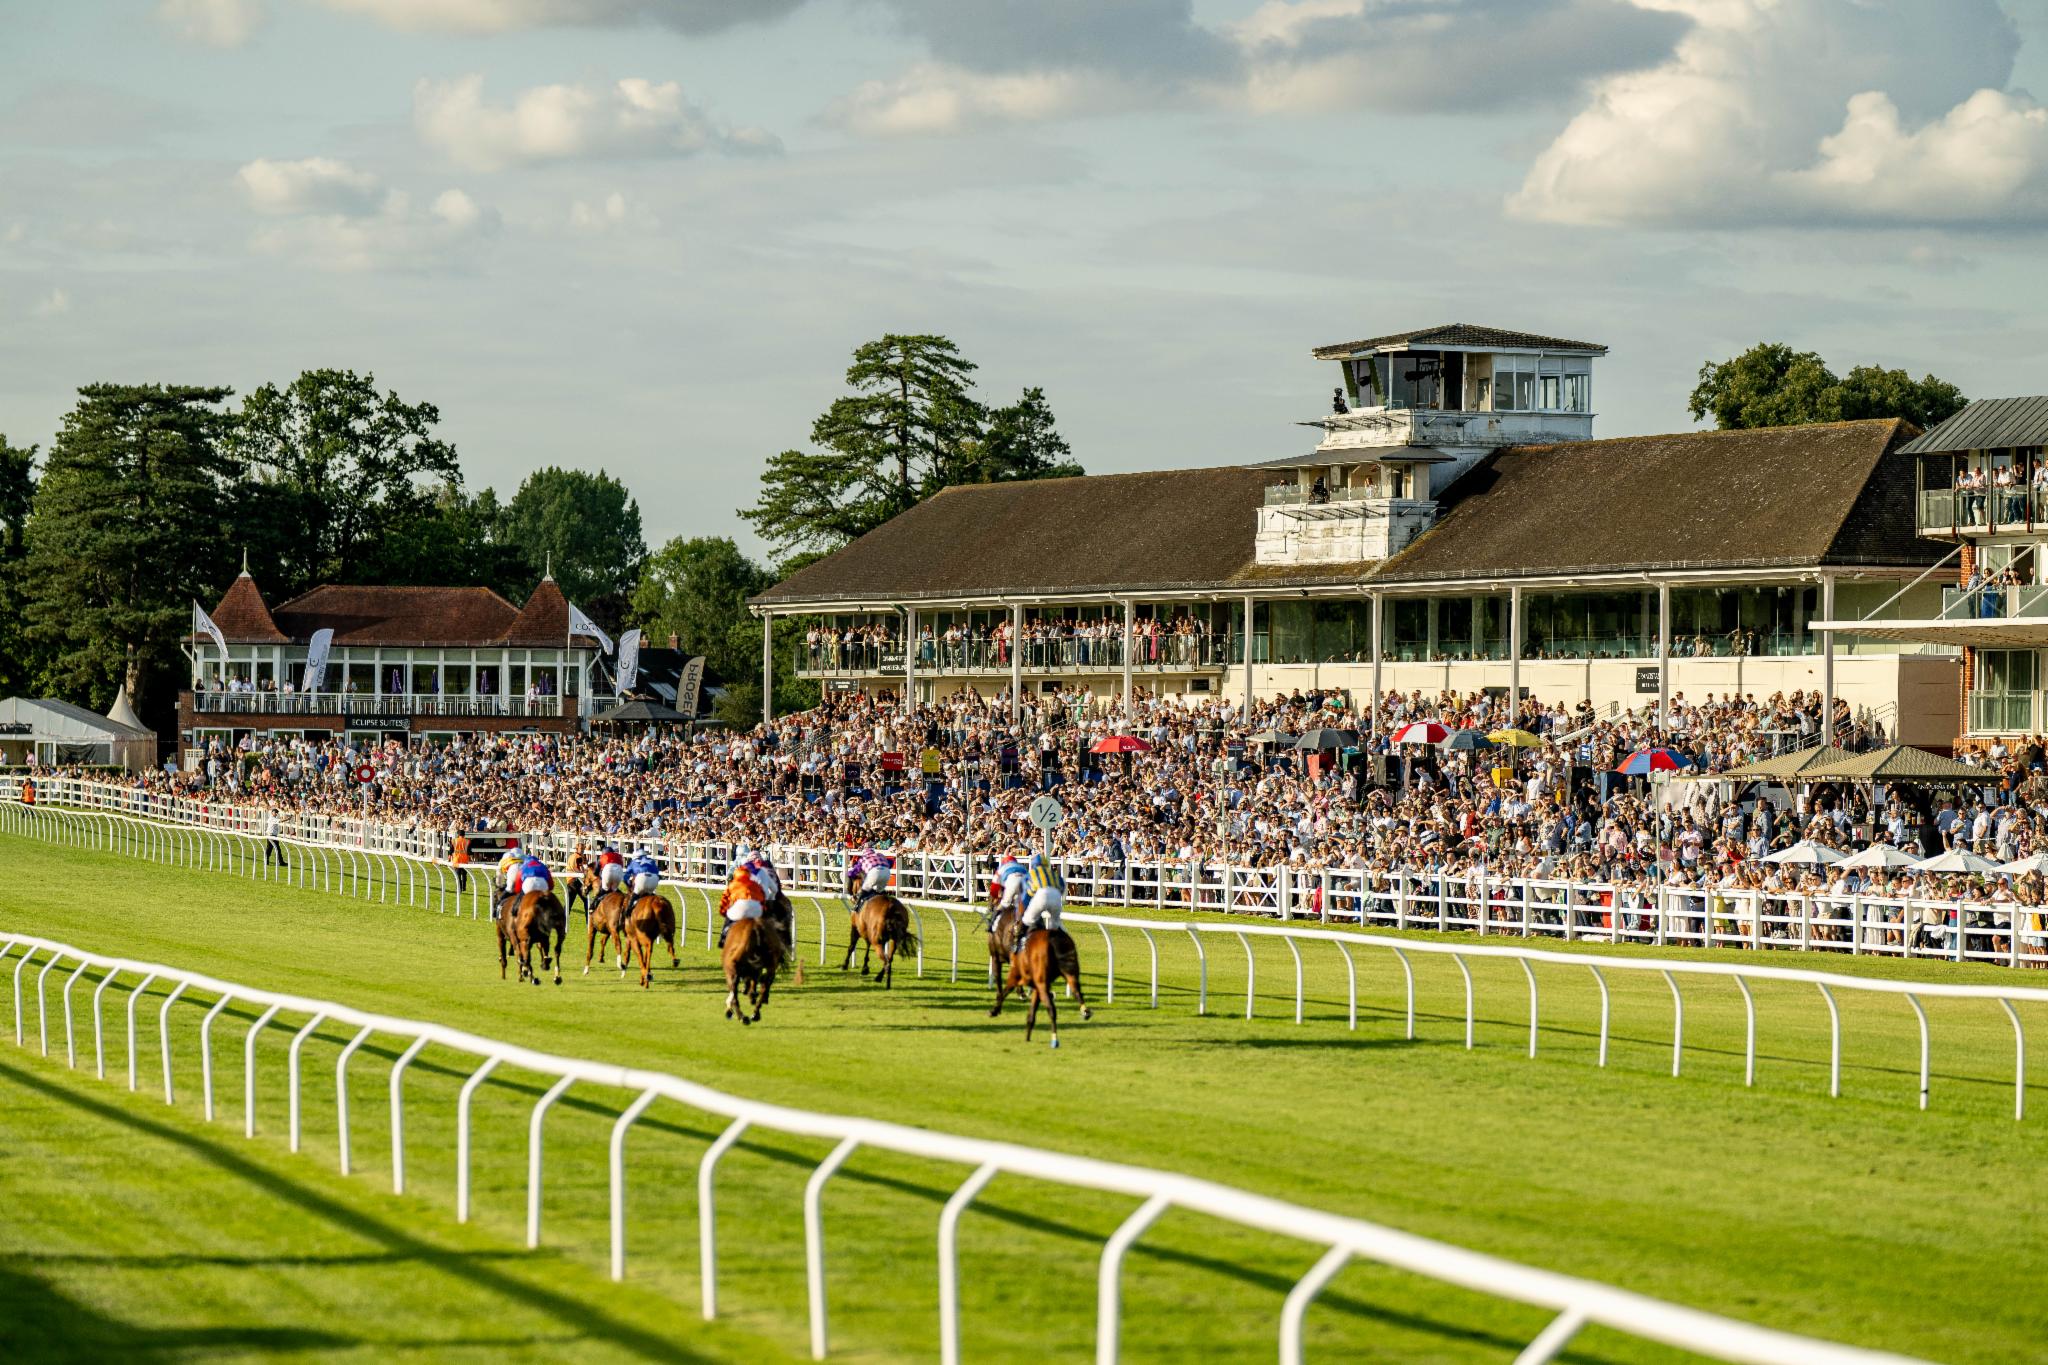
x=1120 y=744
x=1422 y=732
x=1644 y=761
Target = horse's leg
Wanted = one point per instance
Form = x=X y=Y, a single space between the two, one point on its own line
x=668 y=932
x=767 y=985
x=561 y=938
x=866 y=949
x=854 y=938
x=1031 y=1014
x=645 y=943
x=1074 y=990
x=732 y=991
x=1003 y=990
x=1052 y=1009
x=502 y=954
x=591 y=946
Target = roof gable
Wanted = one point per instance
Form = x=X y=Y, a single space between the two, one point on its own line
x=544 y=620
x=243 y=617
x=397 y=615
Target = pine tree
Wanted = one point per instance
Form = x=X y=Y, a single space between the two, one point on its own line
x=126 y=529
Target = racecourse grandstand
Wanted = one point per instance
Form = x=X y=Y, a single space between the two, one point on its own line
x=1456 y=528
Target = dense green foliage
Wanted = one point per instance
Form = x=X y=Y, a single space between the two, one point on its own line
x=587 y=527
x=1771 y=385
x=132 y=510
x=1775 y=1204
x=910 y=427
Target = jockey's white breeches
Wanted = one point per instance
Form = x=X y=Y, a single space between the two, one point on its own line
x=511 y=881
x=533 y=884
x=1044 y=908
x=611 y=876
x=646 y=884
x=740 y=910
x=875 y=879
x=1013 y=894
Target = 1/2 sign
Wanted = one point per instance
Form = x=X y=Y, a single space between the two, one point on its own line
x=1045 y=812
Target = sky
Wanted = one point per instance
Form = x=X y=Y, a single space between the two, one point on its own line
x=645 y=235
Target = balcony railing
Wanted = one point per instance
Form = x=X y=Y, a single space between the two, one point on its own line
x=1167 y=654
x=1988 y=511
x=1292 y=495
x=1994 y=602
x=2002 y=713
x=385 y=704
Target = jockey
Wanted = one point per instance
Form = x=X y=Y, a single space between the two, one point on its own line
x=866 y=873
x=1048 y=892
x=508 y=877
x=643 y=873
x=746 y=895
x=611 y=869
x=534 y=876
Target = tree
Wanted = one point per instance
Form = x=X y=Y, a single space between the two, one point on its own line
x=126 y=529
x=697 y=590
x=458 y=542
x=1772 y=385
x=17 y=495
x=335 y=470
x=1022 y=442
x=587 y=526
x=911 y=427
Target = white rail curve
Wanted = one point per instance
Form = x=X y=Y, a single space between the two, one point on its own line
x=392 y=876
x=1576 y=1302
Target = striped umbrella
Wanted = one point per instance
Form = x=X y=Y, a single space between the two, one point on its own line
x=1422 y=732
x=1643 y=762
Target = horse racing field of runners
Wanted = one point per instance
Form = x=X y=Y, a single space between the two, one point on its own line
x=132 y=1228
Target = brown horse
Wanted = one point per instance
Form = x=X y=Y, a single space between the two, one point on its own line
x=524 y=924
x=1047 y=954
x=580 y=881
x=882 y=926
x=648 y=918
x=753 y=953
x=607 y=919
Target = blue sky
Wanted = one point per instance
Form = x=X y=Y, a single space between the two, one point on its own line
x=645 y=234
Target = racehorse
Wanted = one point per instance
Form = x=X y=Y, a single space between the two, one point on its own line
x=607 y=920
x=1045 y=955
x=881 y=925
x=523 y=925
x=648 y=918
x=752 y=955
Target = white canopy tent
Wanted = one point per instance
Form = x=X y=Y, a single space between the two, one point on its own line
x=57 y=732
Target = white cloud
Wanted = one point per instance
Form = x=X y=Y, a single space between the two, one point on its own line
x=1775 y=111
x=336 y=217
x=630 y=118
x=935 y=98
x=612 y=213
x=998 y=61
x=316 y=184
x=217 y=23
x=53 y=304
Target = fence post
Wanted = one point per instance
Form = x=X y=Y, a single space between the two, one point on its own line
x=533 y=1151
x=249 y=1071
x=707 y=1214
x=398 y=1113
x=814 y=1240
x=949 y=1261
x=1294 y=1312
x=625 y=1121
x=1109 y=1275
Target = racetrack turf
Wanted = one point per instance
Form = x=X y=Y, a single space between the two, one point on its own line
x=132 y=1227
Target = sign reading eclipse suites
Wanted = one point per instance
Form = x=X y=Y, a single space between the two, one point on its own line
x=379 y=722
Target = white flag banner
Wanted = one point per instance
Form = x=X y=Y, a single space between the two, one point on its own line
x=629 y=660
x=579 y=624
x=316 y=660
x=690 y=685
x=202 y=624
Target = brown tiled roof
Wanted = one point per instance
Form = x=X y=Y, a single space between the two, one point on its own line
x=1837 y=493
x=1099 y=533
x=1459 y=334
x=544 y=620
x=398 y=615
x=243 y=617
x=1789 y=497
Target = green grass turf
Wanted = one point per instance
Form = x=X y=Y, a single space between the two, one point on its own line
x=130 y=1225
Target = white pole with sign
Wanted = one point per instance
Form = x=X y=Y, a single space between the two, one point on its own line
x=1045 y=814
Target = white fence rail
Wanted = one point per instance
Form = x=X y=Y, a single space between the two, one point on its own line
x=1576 y=1302
x=397 y=877
x=1994 y=932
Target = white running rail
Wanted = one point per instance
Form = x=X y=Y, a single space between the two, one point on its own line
x=397 y=877
x=1576 y=1302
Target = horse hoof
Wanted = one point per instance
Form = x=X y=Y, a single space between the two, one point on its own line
x=1055 y=1040
x=1087 y=1013
x=586 y=971
x=745 y=1020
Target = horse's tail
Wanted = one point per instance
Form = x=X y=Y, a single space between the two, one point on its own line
x=1064 y=952
x=896 y=926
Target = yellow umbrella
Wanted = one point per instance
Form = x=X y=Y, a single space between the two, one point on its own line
x=1516 y=739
